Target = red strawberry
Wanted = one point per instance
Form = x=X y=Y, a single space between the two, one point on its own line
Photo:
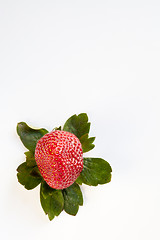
x=59 y=158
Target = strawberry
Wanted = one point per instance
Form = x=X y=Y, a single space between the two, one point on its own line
x=59 y=158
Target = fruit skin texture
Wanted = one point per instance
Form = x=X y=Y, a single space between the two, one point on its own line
x=59 y=158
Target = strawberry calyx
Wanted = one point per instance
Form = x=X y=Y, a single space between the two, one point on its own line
x=55 y=161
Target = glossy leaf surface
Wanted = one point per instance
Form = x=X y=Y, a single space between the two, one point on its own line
x=52 y=200
x=25 y=178
x=87 y=143
x=78 y=125
x=30 y=136
x=72 y=199
x=95 y=171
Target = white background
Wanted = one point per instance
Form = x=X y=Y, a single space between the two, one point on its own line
x=58 y=58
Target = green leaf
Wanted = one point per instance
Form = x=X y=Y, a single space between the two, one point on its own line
x=57 y=128
x=87 y=143
x=25 y=178
x=30 y=136
x=30 y=160
x=46 y=205
x=95 y=171
x=78 y=125
x=72 y=199
x=35 y=172
x=53 y=201
x=46 y=189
